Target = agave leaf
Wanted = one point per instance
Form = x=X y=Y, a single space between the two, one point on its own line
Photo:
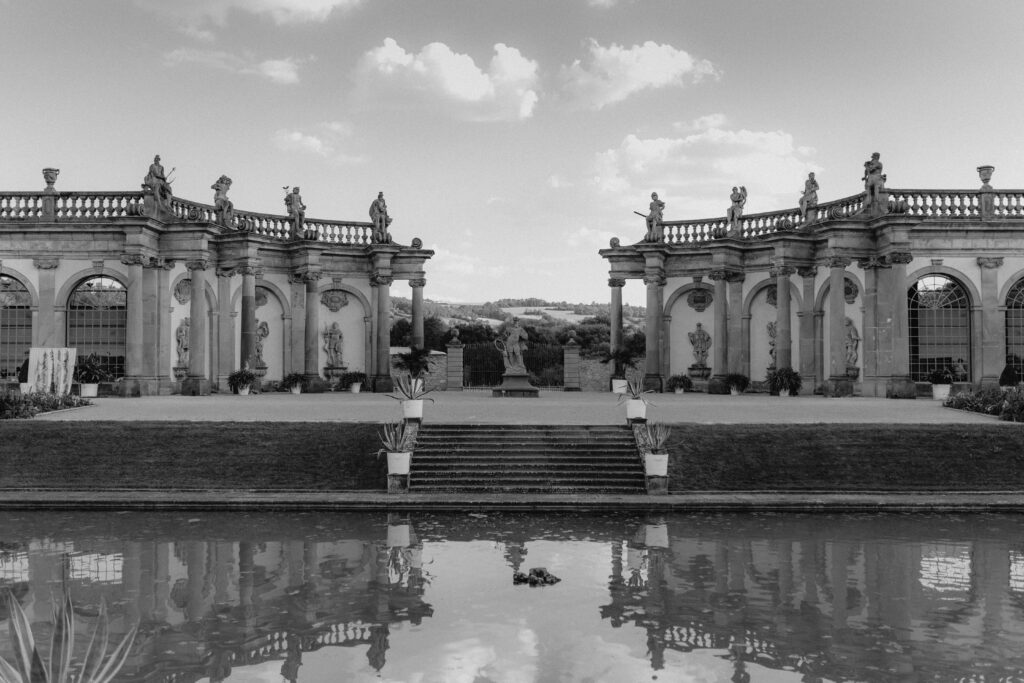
x=8 y=674
x=117 y=658
x=30 y=666
x=97 y=647
x=62 y=642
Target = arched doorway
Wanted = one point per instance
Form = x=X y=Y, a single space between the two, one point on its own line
x=15 y=324
x=1015 y=327
x=940 y=327
x=97 y=321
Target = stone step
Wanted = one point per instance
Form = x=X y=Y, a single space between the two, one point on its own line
x=602 y=469
x=566 y=490
x=497 y=450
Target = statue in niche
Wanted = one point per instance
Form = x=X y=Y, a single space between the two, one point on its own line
x=296 y=210
x=701 y=342
x=262 y=332
x=735 y=210
x=874 y=181
x=224 y=206
x=333 y=345
x=381 y=220
x=772 y=335
x=852 y=343
x=809 y=198
x=512 y=347
x=654 y=217
x=157 y=184
x=181 y=337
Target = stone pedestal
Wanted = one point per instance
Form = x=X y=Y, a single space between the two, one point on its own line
x=398 y=483
x=837 y=387
x=657 y=486
x=698 y=371
x=195 y=386
x=515 y=385
x=900 y=387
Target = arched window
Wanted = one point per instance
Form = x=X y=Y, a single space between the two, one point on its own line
x=15 y=325
x=97 y=321
x=1015 y=327
x=940 y=327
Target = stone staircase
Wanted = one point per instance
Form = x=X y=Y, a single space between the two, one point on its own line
x=526 y=459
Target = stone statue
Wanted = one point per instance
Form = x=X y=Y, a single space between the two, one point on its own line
x=735 y=211
x=701 y=342
x=381 y=220
x=296 y=210
x=512 y=348
x=874 y=181
x=772 y=336
x=852 y=343
x=333 y=345
x=224 y=206
x=655 y=229
x=809 y=199
x=262 y=332
x=157 y=184
x=181 y=336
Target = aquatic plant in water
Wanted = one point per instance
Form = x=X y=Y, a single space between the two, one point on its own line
x=28 y=667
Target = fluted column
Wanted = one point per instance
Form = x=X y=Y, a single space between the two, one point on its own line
x=382 y=372
x=247 y=345
x=993 y=324
x=719 y=346
x=417 y=311
x=615 y=312
x=807 y=345
x=838 y=382
x=311 y=345
x=197 y=384
x=900 y=326
x=655 y=281
x=783 y=318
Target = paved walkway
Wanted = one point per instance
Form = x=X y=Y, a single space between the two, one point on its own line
x=552 y=407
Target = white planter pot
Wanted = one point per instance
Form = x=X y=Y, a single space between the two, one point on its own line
x=636 y=409
x=783 y=392
x=680 y=390
x=297 y=389
x=656 y=464
x=619 y=386
x=940 y=392
x=656 y=535
x=734 y=391
x=244 y=391
x=26 y=388
x=413 y=409
x=355 y=387
x=398 y=463
x=398 y=534
x=89 y=390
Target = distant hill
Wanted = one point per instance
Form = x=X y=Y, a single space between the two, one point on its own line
x=495 y=312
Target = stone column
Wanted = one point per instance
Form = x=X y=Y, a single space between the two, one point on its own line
x=247 y=345
x=839 y=383
x=311 y=346
x=870 y=345
x=197 y=384
x=165 y=335
x=417 y=311
x=993 y=324
x=615 y=312
x=382 y=372
x=739 y=359
x=655 y=281
x=783 y=318
x=150 y=324
x=226 y=329
x=46 y=332
x=133 y=385
x=806 y=316
x=719 y=346
x=901 y=385
x=454 y=370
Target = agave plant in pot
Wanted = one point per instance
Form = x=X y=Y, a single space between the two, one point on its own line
x=621 y=359
x=636 y=401
x=397 y=440
x=653 y=438
x=412 y=393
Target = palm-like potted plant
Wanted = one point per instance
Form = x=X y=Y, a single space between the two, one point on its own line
x=397 y=440
x=737 y=383
x=941 y=380
x=241 y=381
x=415 y=361
x=653 y=438
x=89 y=372
x=1008 y=377
x=294 y=382
x=679 y=383
x=352 y=381
x=784 y=381
x=621 y=359
x=412 y=392
x=635 y=398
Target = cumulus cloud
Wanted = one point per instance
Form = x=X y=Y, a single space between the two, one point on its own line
x=326 y=141
x=282 y=71
x=197 y=12
x=695 y=171
x=437 y=75
x=611 y=74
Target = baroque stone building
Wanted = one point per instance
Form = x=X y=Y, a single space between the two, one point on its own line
x=174 y=295
x=863 y=295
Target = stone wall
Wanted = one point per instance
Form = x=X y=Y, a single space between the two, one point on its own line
x=596 y=376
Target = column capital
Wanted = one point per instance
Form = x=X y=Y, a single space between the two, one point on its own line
x=718 y=275
x=900 y=258
x=418 y=282
x=295 y=278
x=807 y=271
x=616 y=282
x=838 y=261
x=873 y=262
x=781 y=271
x=311 y=276
x=134 y=260
x=657 y=279
x=735 y=276
x=226 y=272
x=46 y=263
x=247 y=269
x=380 y=279
x=197 y=264
x=990 y=262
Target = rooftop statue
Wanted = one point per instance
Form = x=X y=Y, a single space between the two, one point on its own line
x=735 y=211
x=874 y=182
x=655 y=227
x=157 y=184
x=296 y=210
x=381 y=220
x=224 y=206
x=809 y=198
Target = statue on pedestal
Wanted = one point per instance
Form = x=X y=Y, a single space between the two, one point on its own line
x=809 y=198
x=381 y=220
x=224 y=206
x=735 y=211
x=158 y=186
x=296 y=211
x=334 y=345
x=512 y=348
x=874 y=184
x=262 y=332
x=701 y=342
x=655 y=229
x=181 y=338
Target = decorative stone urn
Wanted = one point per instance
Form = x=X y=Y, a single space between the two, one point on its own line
x=985 y=173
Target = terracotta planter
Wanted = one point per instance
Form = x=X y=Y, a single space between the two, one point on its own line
x=412 y=409
x=619 y=386
x=940 y=392
x=398 y=463
x=88 y=390
x=656 y=464
x=636 y=409
x=355 y=387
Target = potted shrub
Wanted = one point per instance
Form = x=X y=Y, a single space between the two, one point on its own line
x=784 y=381
x=737 y=383
x=241 y=381
x=941 y=379
x=89 y=372
x=621 y=359
x=294 y=382
x=636 y=401
x=679 y=383
x=398 y=442
x=653 y=440
x=1008 y=377
x=411 y=395
x=352 y=381
x=416 y=362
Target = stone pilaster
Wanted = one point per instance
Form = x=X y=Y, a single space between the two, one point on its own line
x=719 y=346
x=738 y=358
x=417 y=285
x=454 y=371
x=615 y=312
x=783 y=318
x=900 y=384
x=151 y=322
x=382 y=372
x=311 y=345
x=247 y=337
x=838 y=383
x=45 y=331
x=133 y=384
x=871 y=330
x=993 y=324
x=808 y=366
x=225 y=329
x=164 y=338
x=197 y=383
x=655 y=281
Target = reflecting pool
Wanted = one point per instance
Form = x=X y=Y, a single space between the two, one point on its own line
x=430 y=597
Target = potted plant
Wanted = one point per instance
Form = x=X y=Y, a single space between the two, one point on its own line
x=241 y=381
x=737 y=383
x=1008 y=377
x=412 y=394
x=89 y=372
x=653 y=439
x=415 y=361
x=784 y=381
x=636 y=401
x=398 y=442
x=621 y=359
x=941 y=379
x=679 y=383
x=294 y=382
x=352 y=381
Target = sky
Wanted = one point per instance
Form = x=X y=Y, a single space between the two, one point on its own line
x=514 y=137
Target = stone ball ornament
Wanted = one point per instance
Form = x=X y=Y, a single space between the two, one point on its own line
x=614 y=243
x=417 y=243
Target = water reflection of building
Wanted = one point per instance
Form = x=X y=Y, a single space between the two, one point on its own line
x=206 y=607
